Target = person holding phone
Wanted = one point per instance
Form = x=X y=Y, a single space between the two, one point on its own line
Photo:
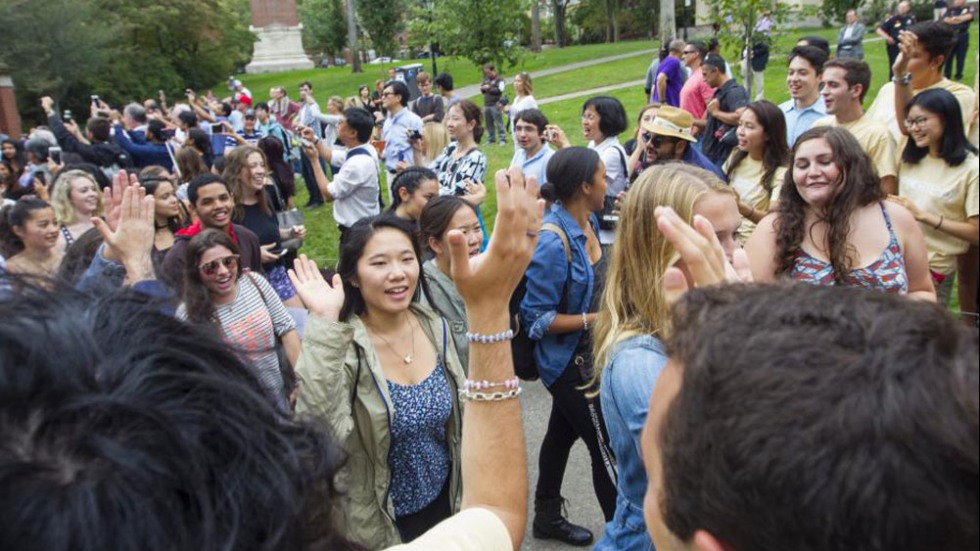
x=247 y=173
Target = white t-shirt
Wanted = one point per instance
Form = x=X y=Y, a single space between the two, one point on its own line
x=355 y=188
x=468 y=530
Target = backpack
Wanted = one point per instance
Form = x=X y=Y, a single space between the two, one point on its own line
x=522 y=346
x=356 y=152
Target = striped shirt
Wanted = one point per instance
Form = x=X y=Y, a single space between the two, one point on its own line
x=251 y=325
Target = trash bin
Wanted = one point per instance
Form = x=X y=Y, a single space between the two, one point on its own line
x=408 y=74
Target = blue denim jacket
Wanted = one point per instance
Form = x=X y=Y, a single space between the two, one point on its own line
x=545 y=284
x=627 y=383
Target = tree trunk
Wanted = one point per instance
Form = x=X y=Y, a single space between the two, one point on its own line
x=535 y=26
x=352 y=36
x=668 y=22
x=561 y=37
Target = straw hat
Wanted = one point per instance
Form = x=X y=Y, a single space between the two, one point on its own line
x=671 y=122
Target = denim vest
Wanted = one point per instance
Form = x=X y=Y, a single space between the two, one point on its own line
x=627 y=384
x=547 y=278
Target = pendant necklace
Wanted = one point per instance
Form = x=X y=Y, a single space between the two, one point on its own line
x=407 y=358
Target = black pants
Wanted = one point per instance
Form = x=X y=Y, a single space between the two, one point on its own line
x=316 y=198
x=414 y=525
x=570 y=420
x=958 y=54
x=892 y=56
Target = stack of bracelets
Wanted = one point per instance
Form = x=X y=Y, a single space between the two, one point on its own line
x=472 y=391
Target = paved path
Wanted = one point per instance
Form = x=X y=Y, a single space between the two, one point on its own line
x=474 y=89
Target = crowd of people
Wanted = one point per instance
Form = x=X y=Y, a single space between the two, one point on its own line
x=735 y=310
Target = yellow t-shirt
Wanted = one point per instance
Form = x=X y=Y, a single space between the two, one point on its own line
x=883 y=108
x=948 y=191
x=468 y=530
x=975 y=130
x=875 y=140
x=747 y=182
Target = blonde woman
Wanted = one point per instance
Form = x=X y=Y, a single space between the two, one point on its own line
x=76 y=198
x=633 y=319
x=436 y=138
x=523 y=99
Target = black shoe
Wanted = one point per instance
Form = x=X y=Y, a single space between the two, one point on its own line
x=549 y=523
x=314 y=205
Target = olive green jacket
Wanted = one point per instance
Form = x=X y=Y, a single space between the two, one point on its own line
x=344 y=385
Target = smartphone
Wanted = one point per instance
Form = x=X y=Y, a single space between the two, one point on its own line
x=95 y=98
x=278 y=252
x=217 y=128
x=55 y=154
x=66 y=116
x=305 y=143
x=414 y=135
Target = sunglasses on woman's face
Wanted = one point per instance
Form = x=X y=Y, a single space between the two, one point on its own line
x=230 y=262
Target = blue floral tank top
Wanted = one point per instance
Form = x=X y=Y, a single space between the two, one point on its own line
x=887 y=273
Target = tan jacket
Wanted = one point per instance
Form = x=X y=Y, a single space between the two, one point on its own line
x=343 y=384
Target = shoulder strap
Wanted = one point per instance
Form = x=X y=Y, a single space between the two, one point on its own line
x=357 y=151
x=622 y=158
x=556 y=229
x=251 y=277
x=444 y=341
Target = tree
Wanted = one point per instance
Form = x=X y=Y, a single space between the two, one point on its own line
x=535 y=26
x=489 y=32
x=122 y=50
x=324 y=25
x=559 y=7
x=744 y=15
x=382 y=21
x=668 y=22
x=355 y=53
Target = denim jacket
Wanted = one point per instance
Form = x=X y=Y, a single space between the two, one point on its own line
x=627 y=383
x=546 y=282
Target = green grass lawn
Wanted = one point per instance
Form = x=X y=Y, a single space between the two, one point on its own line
x=322 y=233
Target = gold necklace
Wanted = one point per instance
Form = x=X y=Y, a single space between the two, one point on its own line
x=407 y=358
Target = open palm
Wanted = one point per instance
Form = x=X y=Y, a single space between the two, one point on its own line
x=322 y=299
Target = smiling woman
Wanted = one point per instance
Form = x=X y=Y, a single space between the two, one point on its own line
x=28 y=235
x=381 y=368
x=76 y=198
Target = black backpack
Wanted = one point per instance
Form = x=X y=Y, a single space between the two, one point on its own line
x=522 y=346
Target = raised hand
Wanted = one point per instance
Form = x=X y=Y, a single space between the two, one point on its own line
x=322 y=299
x=702 y=253
x=113 y=197
x=131 y=242
x=487 y=281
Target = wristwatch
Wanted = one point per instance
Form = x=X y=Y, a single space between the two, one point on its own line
x=904 y=80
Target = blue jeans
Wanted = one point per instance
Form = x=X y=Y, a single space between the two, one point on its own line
x=307 y=170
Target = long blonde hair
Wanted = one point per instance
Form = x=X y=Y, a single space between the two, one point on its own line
x=436 y=139
x=64 y=212
x=633 y=301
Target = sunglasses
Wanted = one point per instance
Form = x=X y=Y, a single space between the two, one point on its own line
x=230 y=262
x=655 y=140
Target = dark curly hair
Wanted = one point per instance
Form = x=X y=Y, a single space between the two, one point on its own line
x=857 y=186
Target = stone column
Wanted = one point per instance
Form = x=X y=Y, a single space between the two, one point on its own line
x=9 y=117
x=280 y=44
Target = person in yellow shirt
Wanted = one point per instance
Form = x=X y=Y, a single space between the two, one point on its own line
x=845 y=83
x=938 y=183
x=925 y=48
x=757 y=166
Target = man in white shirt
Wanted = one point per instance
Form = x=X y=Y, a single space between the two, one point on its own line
x=533 y=152
x=355 y=189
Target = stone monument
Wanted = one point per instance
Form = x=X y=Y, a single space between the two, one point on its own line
x=280 y=45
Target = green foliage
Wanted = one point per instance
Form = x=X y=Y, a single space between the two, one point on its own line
x=324 y=25
x=382 y=21
x=478 y=30
x=120 y=49
x=833 y=11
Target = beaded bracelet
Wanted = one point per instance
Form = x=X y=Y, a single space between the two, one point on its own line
x=509 y=384
x=467 y=396
x=490 y=339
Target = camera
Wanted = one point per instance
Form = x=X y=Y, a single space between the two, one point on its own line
x=414 y=134
x=55 y=154
x=305 y=143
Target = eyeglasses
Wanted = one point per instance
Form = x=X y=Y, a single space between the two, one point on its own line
x=230 y=263
x=689 y=52
x=916 y=122
x=386 y=94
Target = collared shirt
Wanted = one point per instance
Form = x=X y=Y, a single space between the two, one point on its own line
x=355 y=188
x=800 y=120
x=536 y=166
x=896 y=24
x=308 y=115
x=627 y=382
x=549 y=277
x=395 y=134
x=696 y=94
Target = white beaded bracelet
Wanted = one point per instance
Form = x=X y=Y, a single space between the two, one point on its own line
x=467 y=396
x=490 y=339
